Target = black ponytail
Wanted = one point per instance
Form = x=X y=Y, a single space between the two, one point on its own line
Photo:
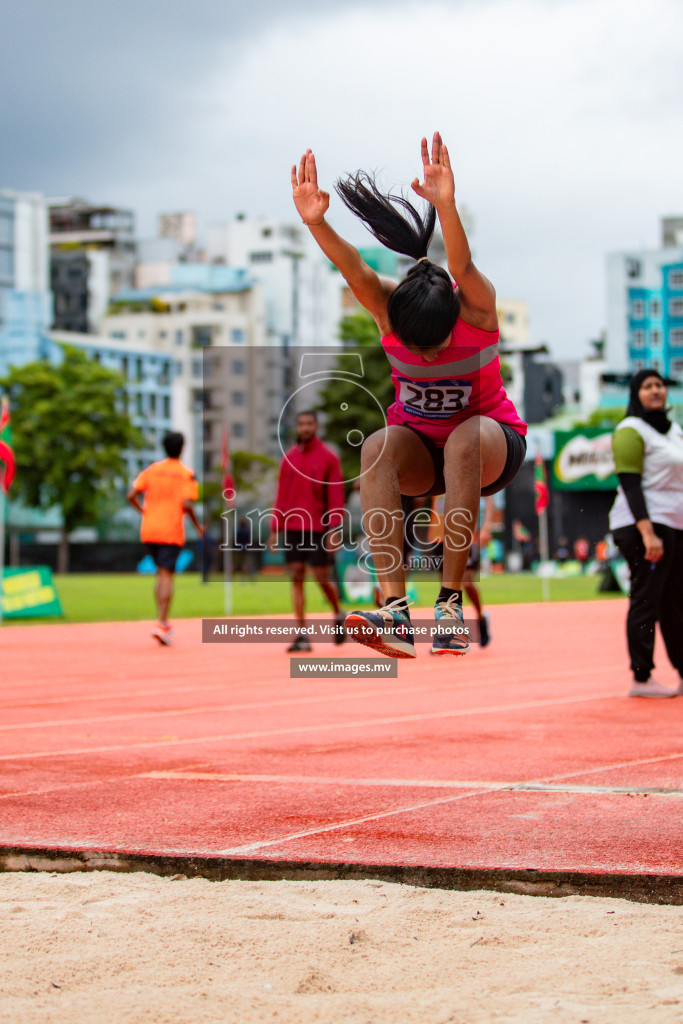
x=409 y=234
x=424 y=307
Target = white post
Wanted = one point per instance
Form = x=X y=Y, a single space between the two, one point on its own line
x=227 y=566
x=544 y=552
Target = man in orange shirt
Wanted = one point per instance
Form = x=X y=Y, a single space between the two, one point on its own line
x=169 y=488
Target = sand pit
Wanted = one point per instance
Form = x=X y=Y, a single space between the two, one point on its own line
x=127 y=949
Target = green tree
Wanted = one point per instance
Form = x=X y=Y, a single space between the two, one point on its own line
x=607 y=418
x=359 y=335
x=70 y=429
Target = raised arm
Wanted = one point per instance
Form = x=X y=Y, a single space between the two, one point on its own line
x=312 y=203
x=477 y=294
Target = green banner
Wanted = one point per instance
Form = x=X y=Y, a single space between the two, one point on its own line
x=583 y=460
x=29 y=594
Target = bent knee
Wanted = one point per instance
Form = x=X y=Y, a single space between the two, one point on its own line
x=373 y=447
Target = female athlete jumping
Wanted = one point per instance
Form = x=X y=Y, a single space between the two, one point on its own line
x=452 y=429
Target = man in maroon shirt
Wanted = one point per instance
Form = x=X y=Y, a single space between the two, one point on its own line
x=308 y=506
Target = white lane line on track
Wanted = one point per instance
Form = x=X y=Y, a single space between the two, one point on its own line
x=254 y=847
x=318 y=699
x=324 y=780
x=497 y=665
x=304 y=729
x=263 y=844
x=246 y=706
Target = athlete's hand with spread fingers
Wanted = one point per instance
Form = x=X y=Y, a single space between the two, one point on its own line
x=311 y=202
x=438 y=187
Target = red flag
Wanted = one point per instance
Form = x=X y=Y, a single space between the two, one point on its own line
x=540 y=485
x=6 y=451
x=228 y=482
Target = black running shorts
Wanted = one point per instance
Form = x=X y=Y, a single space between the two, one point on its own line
x=516 y=451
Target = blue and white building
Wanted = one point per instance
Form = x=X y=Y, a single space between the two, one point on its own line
x=645 y=310
x=25 y=297
x=149 y=388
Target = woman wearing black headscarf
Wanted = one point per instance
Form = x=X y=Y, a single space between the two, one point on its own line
x=646 y=521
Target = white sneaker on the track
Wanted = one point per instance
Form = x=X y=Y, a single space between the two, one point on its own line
x=652 y=688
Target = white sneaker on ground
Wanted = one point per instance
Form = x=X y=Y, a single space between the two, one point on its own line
x=652 y=688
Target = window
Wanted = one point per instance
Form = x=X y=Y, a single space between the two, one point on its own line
x=237 y=430
x=676 y=366
x=655 y=338
x=124 y=366
x=658 y=364
x=6 y=229
x=237 y=398
x=676 y=307
x=207 y=429
x=237 y=335
x=197 y=368
x=655 y=309
x=206 y=463
x=638 y=364
x=632 y=268
x=638 y=338
x=118 y=335
x=676 y=337
x=153 y=403
x=238 y=366
x=201 y=336
x=637 y=309
x=260 y=257
x=167 y=407
x=6 y=263
x=178 y=369
x=201 y=399
x=138 y=368
x=138 y=404
x=178 y=337
x=676 y=279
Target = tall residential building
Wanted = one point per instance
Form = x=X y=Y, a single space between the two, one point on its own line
x=25 y=300
x=93 y=255
x=195 y=308
x=645 y=306
x=301 y=289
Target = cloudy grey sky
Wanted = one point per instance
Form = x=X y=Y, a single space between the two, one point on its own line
x=562 y=118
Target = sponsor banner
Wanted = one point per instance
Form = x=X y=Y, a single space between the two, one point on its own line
x=29 y=594
x=583 y=460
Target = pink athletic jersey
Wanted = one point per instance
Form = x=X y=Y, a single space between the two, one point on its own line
x=464 y=380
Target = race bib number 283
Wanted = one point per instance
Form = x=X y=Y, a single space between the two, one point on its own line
x=437 y=400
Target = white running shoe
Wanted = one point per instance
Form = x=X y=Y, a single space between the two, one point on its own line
x=652 y=688
x=164 y=634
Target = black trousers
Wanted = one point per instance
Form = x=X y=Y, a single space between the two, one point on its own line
x=656 y=596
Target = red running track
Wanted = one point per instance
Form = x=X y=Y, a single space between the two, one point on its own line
x=526 y=755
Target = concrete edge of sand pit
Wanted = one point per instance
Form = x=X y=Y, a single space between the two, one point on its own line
x=637 y=887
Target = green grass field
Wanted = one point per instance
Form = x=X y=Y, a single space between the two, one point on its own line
x=120 y=597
